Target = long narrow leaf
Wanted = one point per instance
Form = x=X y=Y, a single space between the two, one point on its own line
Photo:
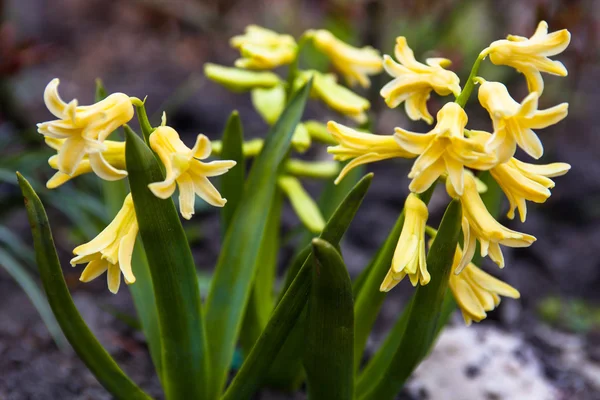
x=330 y=327
x=237 y=262
x=232 y=183
x=91 y=352
x=423 y=317
x=283 y=320
x=262 y=300
x=184 y=356
x=286 y=371
x=369 y=299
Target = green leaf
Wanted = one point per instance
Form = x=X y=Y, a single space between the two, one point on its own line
x=262 y=300
x=34 y=292
x=85 y=344
x=424 y=312
x=284 y=317
x=184 y=355
x=286 y=371
x=369 y=299
x=237 y=264
x=232 y=183
x=330 y=327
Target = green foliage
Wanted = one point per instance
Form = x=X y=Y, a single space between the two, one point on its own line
x=182 y=329
x=91 y=352
x=328 y=355
x=232 y=282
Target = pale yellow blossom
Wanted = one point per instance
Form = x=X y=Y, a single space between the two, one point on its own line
x=514 y=122
x=114 y=155
x=475 y=291
x=355 y=64
x=414 y=81
x=185 y=170
x=444 y=150
x=530 y=56
x=111 y=250
x=84 y=129
x=409 y=256
x=479 y=225
x=362 y=147
x=263 y=48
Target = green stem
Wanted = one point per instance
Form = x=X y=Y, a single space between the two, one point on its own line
x=145 y=126
x=294 y=67
x=464 y=96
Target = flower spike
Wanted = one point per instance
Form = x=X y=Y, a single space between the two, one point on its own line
x=184 y=169
x=111 y=250
x=530 y=56
x=84 y=129
x=414 y=81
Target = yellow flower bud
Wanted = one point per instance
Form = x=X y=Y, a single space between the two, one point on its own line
x=240 y=80
x=414 y=81
x=353 y=63
x=111 y=250
x=262 y=48
x=530 y=56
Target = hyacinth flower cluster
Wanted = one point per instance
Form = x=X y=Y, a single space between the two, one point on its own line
x=261 y=51
x=455 y=154
x=314 y=325
x=79 y=136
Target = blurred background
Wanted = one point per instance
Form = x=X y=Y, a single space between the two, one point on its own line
x=544 y=346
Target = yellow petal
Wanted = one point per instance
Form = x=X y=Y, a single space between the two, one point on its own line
x=93 y=270
x=113 y=278
x=186 y=195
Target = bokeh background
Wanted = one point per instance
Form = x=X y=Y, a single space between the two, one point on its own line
x=544 y=346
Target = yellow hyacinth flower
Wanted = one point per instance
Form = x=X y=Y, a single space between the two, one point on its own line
x=414 y=81
x=185 y=170
x=523 y=182
x=530 y=56
x=514 y=122
x=409 y=257
x=114 y=155
x=355 y=64
x=111 y=250
x=476 y=292
x=362 y=147
x=444 y=150
x=263 y=48
x=478 y=224
x=84 y=129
